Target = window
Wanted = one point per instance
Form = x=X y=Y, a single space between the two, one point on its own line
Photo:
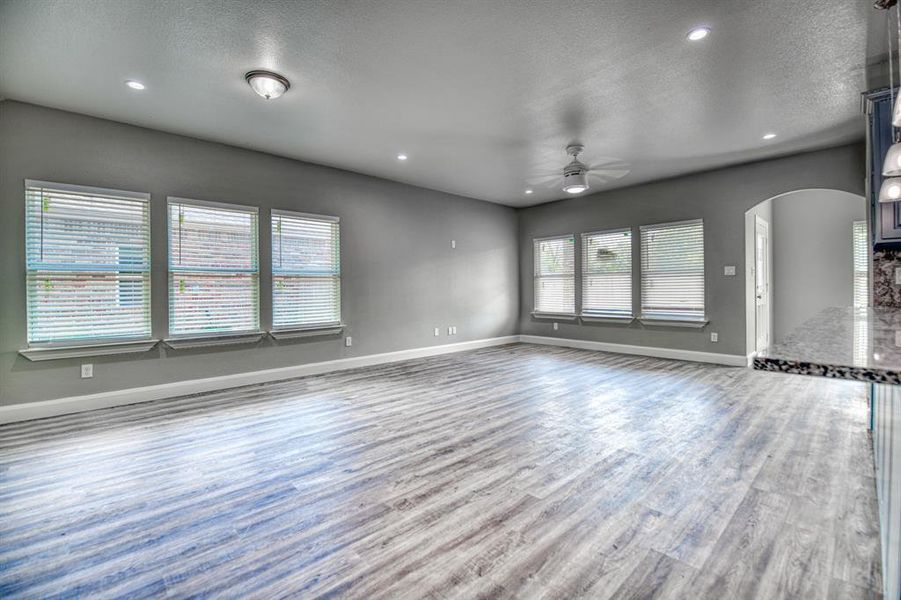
x=555 y=286
x=861 y=293
x=87 y=255
x=306 y=271
x=672 y=271
x=213 y=269
x=607 y=273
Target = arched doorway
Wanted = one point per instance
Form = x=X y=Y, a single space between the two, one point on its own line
x=800 y=258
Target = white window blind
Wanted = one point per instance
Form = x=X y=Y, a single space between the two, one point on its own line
x=607 y=273
x=672 y=270
x=213 y=269
x=555 y=287
x=306 y=271
x=861 y=295
x=87 y=257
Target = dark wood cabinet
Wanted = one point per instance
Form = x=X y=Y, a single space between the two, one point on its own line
x=886 y=218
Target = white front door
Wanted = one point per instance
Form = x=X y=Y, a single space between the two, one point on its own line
x=761 y=282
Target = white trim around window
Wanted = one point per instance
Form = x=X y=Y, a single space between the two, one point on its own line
x=673 y=274
x=87 y=253
x=306 y=274
x=607 y=275
x=214 y=273
x=554 y=277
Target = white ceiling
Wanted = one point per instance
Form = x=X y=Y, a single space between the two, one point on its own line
x=483 y=95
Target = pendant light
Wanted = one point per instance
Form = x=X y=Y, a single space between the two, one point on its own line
x=890 y=190
x=896 y=111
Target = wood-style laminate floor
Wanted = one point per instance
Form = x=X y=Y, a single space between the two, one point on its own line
x=511 y=472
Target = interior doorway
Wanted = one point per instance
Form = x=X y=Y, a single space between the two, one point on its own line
x=762 y=303
x=805 y=250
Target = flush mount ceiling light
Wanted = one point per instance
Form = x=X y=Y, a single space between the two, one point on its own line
x=267 y=84
x=575 y=174
x=769 y=136
x=698 y=33
x=402 y=157
x=528 y=191
x=135 y=85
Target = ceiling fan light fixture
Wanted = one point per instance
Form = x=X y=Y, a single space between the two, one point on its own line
x=267 y=84
x=575 y=174
x=890 y=191
x=575 y=188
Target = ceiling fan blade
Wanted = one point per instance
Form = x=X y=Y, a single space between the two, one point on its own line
x=610 y=163
x=544 y=179
x=609 y=173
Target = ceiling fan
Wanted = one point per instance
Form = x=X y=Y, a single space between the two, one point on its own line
x=578 y=177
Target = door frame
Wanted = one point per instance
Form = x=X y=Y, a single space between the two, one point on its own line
x=758 y=221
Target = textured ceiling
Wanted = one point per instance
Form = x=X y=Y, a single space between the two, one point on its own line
x=483 y=95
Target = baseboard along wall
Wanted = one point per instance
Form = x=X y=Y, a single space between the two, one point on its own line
x=75 y=404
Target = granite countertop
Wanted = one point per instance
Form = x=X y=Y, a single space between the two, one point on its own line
x=846 y=343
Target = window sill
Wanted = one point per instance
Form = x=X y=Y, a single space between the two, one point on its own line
x=602 y=318
x=673 y=322
x=210 y=341
x=39 y=353
x=301 y=332
x=555 y=316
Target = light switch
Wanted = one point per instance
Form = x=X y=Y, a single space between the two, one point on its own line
x=729 y=270
x=898 y=338
x=897 y=275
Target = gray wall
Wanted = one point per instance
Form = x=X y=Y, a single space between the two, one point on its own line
x=812 y=253
x=719 y=197
x=400 y=276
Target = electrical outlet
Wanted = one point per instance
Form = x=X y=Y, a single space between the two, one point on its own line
x=87 y=371
x=714 y=337
x=437 y=332
x=453 y=244
x=729 y=270
x=898 y=338
x=348 y=341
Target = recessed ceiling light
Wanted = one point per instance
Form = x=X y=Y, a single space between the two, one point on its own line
x=135 y=85
x=698 y=33
x=769 y=136
x=528 y=191
x=267 y=84
x=402 y=157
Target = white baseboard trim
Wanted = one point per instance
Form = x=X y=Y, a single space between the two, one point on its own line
x=74 y=404
x=732 y=360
